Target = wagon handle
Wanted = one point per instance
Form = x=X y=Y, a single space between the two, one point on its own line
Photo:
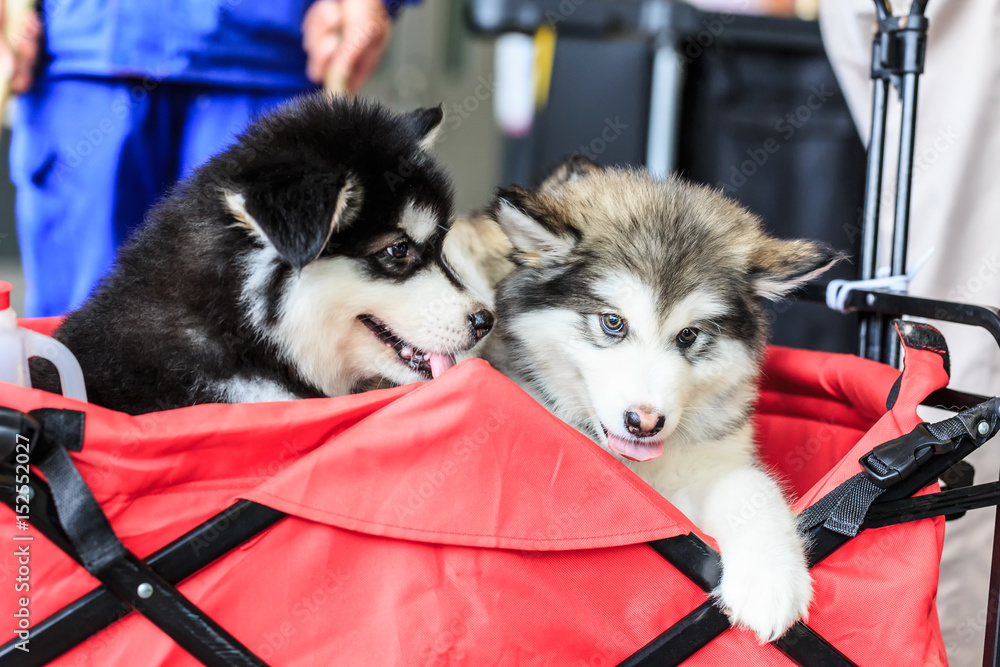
x=898 y=51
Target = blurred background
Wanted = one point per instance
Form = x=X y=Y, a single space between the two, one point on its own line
x=737 y=94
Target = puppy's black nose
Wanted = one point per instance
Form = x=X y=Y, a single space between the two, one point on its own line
x=481 y=322
x=644 y=423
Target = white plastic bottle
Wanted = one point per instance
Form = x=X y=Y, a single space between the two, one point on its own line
x=18 y=344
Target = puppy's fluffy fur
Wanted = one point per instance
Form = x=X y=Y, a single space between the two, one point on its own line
x=299 y=262
x=632 y=308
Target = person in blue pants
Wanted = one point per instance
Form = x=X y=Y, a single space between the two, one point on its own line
x=126 y=98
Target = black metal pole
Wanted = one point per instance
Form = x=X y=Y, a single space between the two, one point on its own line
x=904 y=179
x=904 y=184
x=991 y=652
x=869 y=334
x=883 y=9
x=870 y=326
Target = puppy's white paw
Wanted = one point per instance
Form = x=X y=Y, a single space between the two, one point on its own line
x=766 y=591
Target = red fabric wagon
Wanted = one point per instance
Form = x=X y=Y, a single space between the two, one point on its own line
x=450 y=522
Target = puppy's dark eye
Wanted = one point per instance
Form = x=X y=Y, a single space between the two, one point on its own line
x=687 y=337
x=614 y=324
x=398 y=250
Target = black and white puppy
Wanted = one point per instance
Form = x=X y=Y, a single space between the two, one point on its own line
x=301 y=261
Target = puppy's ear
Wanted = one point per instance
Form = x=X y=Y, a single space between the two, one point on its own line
x=572 y=169
x=427 y=124
x=539 y=236
x=778 y=267
x=297 y=213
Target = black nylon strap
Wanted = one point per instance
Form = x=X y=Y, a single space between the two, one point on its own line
x=102 y=554
x=949 y=429
x=703 y=566
x=88 y=615
x=80 y=516
x=843 y=510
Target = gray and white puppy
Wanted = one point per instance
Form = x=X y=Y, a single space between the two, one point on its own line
x=632 y=308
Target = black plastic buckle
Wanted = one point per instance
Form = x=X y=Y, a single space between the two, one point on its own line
x=16 y=428
x=900 y=458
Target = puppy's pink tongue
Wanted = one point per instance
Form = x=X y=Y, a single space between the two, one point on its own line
x=440 y=363
x=635 y=450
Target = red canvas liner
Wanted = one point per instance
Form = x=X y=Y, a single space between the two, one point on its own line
x=457 y=522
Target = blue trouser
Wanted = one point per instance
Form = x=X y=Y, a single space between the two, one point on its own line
x=89 y=157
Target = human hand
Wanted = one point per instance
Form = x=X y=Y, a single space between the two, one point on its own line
x=344 y=40
x=20 y=34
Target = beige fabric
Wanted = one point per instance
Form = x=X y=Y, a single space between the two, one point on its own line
x=955 y=209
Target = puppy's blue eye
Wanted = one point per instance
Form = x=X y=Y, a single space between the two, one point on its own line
x=398 y=250
x=687 y=336
x=614 y=325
